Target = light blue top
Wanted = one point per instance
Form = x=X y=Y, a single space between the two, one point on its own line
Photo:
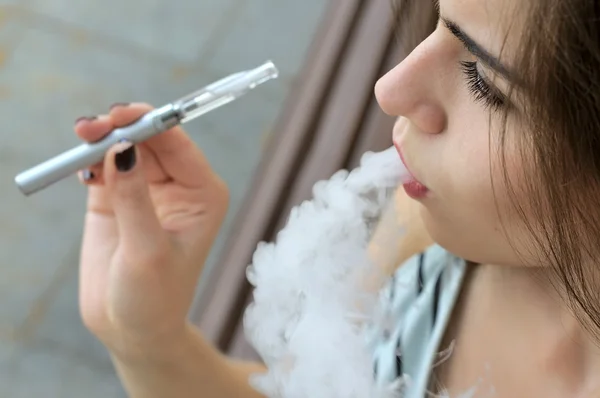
x=418 y=303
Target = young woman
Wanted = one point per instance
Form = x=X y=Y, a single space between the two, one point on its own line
x=498 y=121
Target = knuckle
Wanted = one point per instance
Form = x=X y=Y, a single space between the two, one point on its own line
x=94 y=320
x=131 y=189
x=156 y=252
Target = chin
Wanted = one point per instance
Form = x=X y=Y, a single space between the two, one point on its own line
x=453 y=238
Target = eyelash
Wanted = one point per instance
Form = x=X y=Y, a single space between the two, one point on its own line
x=479 y=88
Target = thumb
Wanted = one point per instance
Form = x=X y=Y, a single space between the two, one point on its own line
x=138 y=225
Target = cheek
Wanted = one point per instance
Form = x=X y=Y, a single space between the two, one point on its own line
x=462 y=215
x=464 y=167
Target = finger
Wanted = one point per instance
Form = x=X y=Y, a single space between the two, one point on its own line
x=90 y=177
x=124 y=113
x=137 y=222
x=178 y=155
x=93 y=175
x=94 y=128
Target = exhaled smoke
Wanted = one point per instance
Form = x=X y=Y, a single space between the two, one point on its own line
x=311 y=308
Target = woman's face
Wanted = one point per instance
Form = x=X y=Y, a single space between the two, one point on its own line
x=448 y=94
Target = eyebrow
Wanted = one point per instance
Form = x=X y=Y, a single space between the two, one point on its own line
x=471 y=45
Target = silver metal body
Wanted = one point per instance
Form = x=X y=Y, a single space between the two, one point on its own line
x=155 y=122
x=85 y=155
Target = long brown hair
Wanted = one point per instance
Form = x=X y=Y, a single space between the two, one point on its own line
x=558 y=66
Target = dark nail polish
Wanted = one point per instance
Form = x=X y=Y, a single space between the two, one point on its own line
x=86 y=118
x=125 y=160
x=88 y=175
x=116 y=104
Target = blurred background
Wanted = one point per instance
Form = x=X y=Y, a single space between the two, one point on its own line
x=62 y=59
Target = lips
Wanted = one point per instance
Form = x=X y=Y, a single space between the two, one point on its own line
x=414 y=188
x=399 y=149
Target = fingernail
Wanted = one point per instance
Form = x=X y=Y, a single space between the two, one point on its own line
x=86 y=119
x=117 y=104
x=87 y=175
x=125 y=158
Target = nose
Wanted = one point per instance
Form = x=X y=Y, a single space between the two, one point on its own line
x=413 y=90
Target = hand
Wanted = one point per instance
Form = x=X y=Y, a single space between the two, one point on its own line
x=153 y=212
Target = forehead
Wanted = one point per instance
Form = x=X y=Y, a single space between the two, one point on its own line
x=494 y=24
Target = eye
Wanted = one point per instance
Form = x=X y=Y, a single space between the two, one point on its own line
x=481 y=90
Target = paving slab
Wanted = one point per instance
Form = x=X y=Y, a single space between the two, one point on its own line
x=280 y=30
x=179 y=29
x=42 y=370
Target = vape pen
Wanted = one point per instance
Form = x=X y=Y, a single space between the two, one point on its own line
x=155 y=122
